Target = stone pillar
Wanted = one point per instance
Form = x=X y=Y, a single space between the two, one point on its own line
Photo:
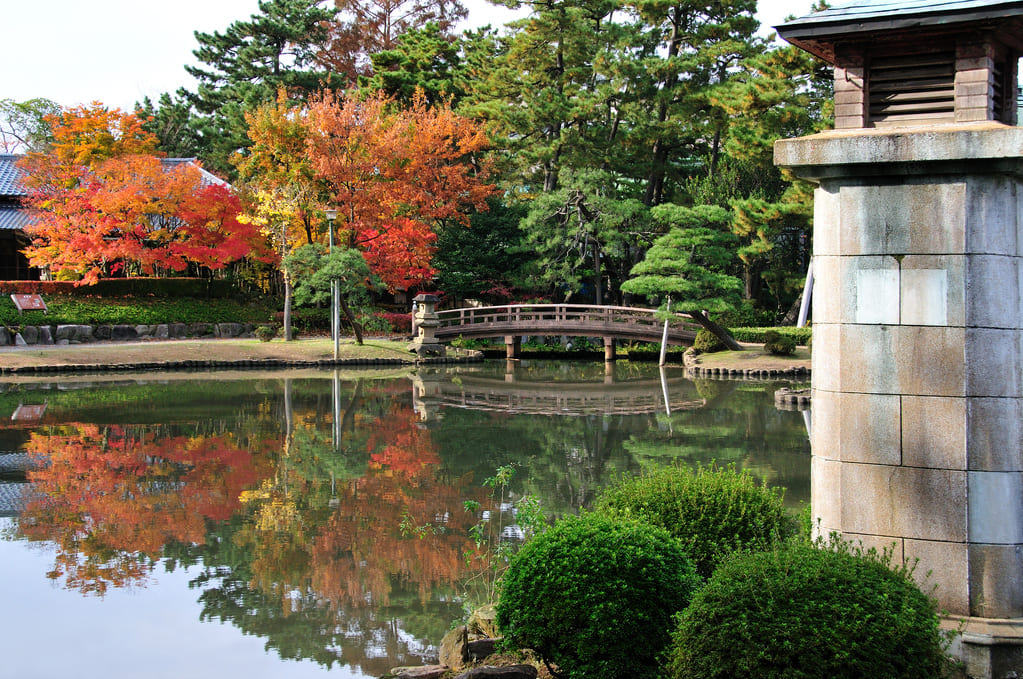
x=609 y=349
x=918 y=362
x=512 y=346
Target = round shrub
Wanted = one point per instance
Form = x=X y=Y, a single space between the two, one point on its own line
x=777 y=344
x=801 y=612
x=595 y=595
x=707 y=342
x=712 y=511
x=265 y=333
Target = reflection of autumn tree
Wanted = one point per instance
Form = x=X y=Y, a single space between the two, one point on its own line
x=313 y=562
x=111 y=497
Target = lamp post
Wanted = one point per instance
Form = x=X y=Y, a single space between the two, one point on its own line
x=335 y=322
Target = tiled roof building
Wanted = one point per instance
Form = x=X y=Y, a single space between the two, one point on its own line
x=14 y=217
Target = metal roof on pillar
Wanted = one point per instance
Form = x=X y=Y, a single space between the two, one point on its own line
x=912 y=62
x=866 y=16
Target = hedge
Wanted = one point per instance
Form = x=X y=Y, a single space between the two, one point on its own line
x=125 y=287
x=756 y=335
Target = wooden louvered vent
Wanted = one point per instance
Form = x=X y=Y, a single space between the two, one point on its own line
x=912 y=90
x=999 y=101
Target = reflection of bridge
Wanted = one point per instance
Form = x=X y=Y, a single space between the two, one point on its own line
x=574 y=320
x=632 y=397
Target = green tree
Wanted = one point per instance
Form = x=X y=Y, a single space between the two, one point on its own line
x=688 y=51
x=313 y=269
x=689 y=265
x=585 y=231
x=485 y=259
x=175 y=122
x=24 y=126
x=425 y=58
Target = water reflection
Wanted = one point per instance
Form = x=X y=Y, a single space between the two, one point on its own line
x=325 y=512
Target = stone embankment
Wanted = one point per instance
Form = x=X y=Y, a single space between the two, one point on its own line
x=471 y=652
x=725 y=373
x=50 y=335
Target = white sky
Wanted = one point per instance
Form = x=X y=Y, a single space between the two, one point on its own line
x=120 y=51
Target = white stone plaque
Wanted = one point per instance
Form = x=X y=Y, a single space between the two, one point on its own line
x=877 y=296
x=924 y=297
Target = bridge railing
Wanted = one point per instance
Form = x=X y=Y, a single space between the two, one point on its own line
x=555 y=315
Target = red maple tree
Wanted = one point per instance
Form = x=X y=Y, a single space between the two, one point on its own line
x=105 y=204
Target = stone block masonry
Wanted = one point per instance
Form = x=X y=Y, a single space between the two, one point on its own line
x=918 y=355
x=44 y=335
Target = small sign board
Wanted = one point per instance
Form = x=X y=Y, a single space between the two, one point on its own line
x=29 y=303
x=32 y=413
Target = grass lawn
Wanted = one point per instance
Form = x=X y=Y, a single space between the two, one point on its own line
x=754 y=358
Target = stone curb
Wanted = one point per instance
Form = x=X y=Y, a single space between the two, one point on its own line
x=737 y=374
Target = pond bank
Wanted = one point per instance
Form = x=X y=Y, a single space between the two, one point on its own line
x=208 y=354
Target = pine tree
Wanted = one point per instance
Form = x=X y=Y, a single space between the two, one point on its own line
x=249 y=62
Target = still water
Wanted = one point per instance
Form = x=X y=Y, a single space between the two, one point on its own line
x=293 y=524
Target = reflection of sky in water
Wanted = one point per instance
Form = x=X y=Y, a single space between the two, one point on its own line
x=48 y=631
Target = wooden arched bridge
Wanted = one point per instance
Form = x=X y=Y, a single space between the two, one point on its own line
x=573 y=320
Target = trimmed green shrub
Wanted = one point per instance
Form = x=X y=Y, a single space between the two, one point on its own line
x=135 y=311
x=777 y=344
x=756 y=335
x=747 y=315
x=265 y=333
x=707 y=342
x=802 y=613
x=712 y=511
x=595 y=596
x=126 y=287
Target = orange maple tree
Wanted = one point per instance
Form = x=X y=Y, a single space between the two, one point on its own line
x=105 y=204
x=395 y=174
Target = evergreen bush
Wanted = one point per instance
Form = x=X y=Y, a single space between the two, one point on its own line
x=265 y=333
x=707 y=342
x=804 y=612
x=712 y=511
x=777 y=344
x=758 y=335
x=595 y=596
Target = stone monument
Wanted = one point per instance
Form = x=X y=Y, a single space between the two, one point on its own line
x=425 y=321
x=917 y=309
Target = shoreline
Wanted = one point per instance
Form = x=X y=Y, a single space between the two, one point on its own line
x=210 y=354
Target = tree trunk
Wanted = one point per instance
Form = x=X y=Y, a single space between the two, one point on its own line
x=597 y=277
x=351 y=319
x=718 y=331
x=287 y=308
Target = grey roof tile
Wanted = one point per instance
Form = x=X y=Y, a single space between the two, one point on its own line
x=14 y=218
x=936 y=11
x=10 y=175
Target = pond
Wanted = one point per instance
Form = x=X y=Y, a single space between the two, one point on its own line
x=299 y=523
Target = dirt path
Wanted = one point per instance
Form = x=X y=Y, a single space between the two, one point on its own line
x=208 y=350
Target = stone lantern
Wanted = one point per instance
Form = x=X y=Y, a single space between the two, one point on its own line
x=917 y=308
x=426 y=322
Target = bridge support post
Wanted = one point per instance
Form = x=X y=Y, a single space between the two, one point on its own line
x=512 y=346
x=609 y=349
